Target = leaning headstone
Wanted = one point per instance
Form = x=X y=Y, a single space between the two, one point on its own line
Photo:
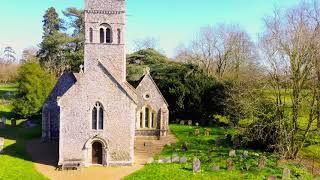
x=215 y=168
x=150 y=160
x=206 y=132
x=286 y=173
x=196 y=132
x=1 y=144
x=183 y=160
x=175 y=158
x=182 y=122
x=230 y=165
x=184 y=147
x=196 y=165
x=232 y=153
x=262 y=163
x=13 y=122
x=190 y=122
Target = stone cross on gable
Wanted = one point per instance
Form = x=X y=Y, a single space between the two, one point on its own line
x=146 y=70
x=81 y=69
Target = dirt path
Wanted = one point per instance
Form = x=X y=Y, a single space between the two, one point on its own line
x=45 y=157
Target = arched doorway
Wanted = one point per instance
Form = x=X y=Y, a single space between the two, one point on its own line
x=96 y=153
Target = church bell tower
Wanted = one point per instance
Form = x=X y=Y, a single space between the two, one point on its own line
x=105 y=36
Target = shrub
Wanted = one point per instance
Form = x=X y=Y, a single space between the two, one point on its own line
x=34 y=85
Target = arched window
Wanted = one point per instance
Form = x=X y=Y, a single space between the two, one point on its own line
x=101 y=35
x=94 y=118
x=91 y=35
x=141 y=120
x=97 y=116
x=108 y=35
x=119 y=36
x=146 y=119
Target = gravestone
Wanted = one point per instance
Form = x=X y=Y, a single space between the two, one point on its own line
x=197 y=124
x=1 y=144
x=167 y=160
x=190 y=122
x=215 y=168
x=196 y=132
x=184 y=147
x=206 y=132
x=218 y=142
x=272 y=178
x=245 y=154
x=230 y=165
x=182 y=122
x=183 y=160
x=4 y=120
x=175 y=158
x=196 y=165
x=150 y=160
x=159 y=161
x=286 y=173
x=262 y=163
x=13 y=122
x=232 y=153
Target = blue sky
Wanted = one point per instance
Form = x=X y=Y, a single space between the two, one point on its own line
x=172 y=22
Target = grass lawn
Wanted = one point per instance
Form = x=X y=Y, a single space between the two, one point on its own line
x=209 y=154
x=14 y=160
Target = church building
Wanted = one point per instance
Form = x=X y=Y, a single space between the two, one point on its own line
x=95 y=114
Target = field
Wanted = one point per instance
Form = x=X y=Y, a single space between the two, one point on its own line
x=14 y=161
x=209 y=154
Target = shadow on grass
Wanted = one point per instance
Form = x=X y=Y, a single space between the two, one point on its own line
x=28 y=146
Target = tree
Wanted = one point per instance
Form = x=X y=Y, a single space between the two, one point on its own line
x=290 y=44
x=28 y=54
x=220 y=51
x=8 y=55
x=51 y=22
x=34 y=85
x=146 y=43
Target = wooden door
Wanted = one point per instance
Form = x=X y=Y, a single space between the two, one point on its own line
x=96 y=153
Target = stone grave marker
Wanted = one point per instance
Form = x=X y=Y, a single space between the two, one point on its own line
x=215 y=168
x=286 y=173
x=197 y=124
x=262 y=163
x=218 y=142
x=184 y=147
x=245 y=154
x=206 y=132
x=230 y=165
x=175 y=158
x=167 y=160
x=182 y=122
x=272 y=178
x=190 y=122
x=196 y=132
x=13 y=122
x=150 y=160
x=4 y=120
x=196 y=165
x=183 y=160
x=1 y=144
x=232 y=153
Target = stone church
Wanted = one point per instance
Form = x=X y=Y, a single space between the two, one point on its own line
x=95 y=114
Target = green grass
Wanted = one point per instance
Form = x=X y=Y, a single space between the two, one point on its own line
x=15 y=163
x=205 y=149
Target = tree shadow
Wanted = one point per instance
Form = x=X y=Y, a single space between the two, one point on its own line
x=28 y=145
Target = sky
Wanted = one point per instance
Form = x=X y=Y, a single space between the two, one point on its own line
x=171 y=22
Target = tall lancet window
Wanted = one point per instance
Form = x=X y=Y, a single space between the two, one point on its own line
x=101 y=35
x=97 y=116
x=91 y=35
x=108 y=35
x=119 y=36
